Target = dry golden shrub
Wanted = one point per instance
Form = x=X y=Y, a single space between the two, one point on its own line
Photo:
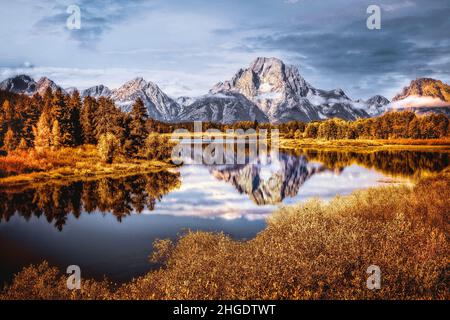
x=43 y=282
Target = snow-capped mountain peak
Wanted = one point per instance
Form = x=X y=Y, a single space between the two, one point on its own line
x=375 y=105
x=44 y=83
x=159 y=105
x=96 y=91
x=283 y=94
x=19 y=84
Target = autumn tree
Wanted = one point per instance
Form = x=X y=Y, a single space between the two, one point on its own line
x=22 y=145
x=7 y=119
x=56 y=135
x=43 y=132
x=30 y=117
x=108 y=146
x=73 y=118
x=10 y=142
x=158 y=147
x=138 y=130
x=88 y=120
x=107 y=118
x=311 y=130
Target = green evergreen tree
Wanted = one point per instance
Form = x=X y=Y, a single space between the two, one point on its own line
x=58 y=105
x=61 y=112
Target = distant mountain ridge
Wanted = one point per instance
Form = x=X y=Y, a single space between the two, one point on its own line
x=267 y=91
x=425 y=87
x=424 y=95
x=26 y=85
x=159 y=105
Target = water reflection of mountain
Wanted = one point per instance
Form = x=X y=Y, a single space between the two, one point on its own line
x=117 y=196
x=290 y=170
x=270 y=180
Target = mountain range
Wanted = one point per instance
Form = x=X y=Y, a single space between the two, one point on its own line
x=267 y=91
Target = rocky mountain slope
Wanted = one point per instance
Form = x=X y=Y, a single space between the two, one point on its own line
x=424 y=95
x=19 y=84
x=283 y=95
x=376 y=105
x=26 y=85
x=159 y=105
x=224 y=108
x=97 y=92
x=428 y=87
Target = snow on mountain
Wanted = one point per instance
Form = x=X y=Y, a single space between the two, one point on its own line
x=19 y=84
x=267 y=91
x=70 y=90
x=186 y=101
x=96 y=92
x=44 y=83
x=374 y=106
x=26 y=85
x=223 y=108
x=283 y=94
x=159 y=105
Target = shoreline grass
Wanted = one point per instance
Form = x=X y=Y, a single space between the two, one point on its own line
x=292 y=143
x=27 y=167
x=366 y=144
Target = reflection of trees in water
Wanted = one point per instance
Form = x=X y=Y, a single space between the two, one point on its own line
x=118 y=196
x=404 y=163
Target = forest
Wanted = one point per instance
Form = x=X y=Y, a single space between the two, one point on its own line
x=392 y=125
x=55 y=120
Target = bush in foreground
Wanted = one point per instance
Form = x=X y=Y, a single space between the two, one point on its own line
x=314 y=250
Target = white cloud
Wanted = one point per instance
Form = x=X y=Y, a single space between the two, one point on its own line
x=417 y=102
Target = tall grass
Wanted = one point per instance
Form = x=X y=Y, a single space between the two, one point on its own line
x=315 y=250
x=26 y=161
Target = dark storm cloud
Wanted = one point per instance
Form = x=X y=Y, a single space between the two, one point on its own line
x=414 y=45
x=206 y=41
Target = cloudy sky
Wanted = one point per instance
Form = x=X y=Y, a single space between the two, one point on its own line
x=187 y=46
